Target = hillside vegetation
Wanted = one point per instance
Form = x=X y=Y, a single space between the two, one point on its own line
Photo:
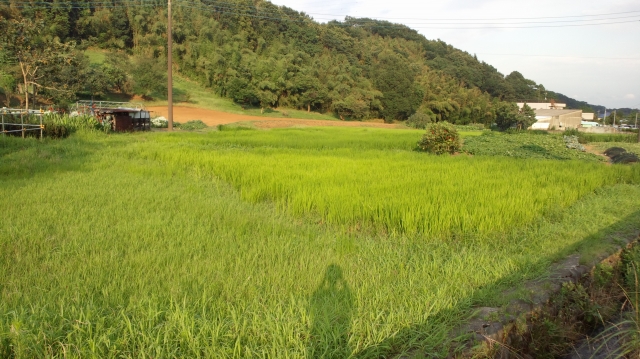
x=262 y=55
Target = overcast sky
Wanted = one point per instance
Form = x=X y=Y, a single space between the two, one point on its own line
x=597 y=64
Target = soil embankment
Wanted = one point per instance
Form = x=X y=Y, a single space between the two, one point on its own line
x=214 y=118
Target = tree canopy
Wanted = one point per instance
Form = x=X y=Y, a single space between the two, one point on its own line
x=260 y=54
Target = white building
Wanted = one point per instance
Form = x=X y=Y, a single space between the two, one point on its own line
x=557 y=119
x=543 y=105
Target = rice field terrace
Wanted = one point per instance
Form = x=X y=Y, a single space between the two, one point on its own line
x=287 y=243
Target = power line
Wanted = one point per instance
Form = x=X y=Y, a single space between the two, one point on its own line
x=235 y=7
x=211 y=7
x=457 y=19
x=556 y=56
x=405 y=26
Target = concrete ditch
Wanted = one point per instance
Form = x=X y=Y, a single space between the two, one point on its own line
x=556 y=317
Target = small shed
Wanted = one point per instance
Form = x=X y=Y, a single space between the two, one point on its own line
x=124 y=119
x=123 y=116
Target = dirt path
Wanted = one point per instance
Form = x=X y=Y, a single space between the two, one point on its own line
x=214 y=118
x=590 y=149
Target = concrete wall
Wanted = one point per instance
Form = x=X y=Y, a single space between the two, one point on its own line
x=570 y=120
x=598 y=130
x=587 y=116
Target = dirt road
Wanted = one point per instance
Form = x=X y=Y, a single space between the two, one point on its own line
x=214 y=118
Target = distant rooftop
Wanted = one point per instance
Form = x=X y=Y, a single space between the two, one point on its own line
x=542 y=105
x=554 y=112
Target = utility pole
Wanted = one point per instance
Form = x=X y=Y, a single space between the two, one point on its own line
x=614 y=117
x=604 y=119
x=637 y=127
x=170 y=69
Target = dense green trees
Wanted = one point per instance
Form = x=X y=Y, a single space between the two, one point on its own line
x=509 y=115
x=260 y=54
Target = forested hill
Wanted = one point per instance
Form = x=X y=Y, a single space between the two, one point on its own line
x=257 y=53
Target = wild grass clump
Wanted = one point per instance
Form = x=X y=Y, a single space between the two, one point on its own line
x=193 y=125
x=440 y=138
x=608 y=137
x=234 y=128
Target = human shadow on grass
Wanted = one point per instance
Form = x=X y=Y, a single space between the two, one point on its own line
x=331 y=308
x=410 y=342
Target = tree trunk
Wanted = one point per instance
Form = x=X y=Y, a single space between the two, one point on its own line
x=308 y=107
x=26 y=86
x=261 y=110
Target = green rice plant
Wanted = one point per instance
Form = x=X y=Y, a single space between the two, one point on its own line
x=404 y=192
x=158 y=245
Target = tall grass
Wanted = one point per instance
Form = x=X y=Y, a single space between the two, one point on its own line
x=136 y=245
x=609 y=137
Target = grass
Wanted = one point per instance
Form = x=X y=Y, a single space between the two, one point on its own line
x=140 y=245
x=96 y=56
x=198 y=96
x=630 y=147
x=609 y=137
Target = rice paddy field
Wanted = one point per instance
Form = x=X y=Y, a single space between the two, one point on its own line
x=287 y=243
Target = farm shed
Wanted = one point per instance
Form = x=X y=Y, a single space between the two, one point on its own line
x=125 y=119
x=123 y=116
x=558 y=119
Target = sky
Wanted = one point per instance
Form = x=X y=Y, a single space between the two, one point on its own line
x=599 y=64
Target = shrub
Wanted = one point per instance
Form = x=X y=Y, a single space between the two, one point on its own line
x=56 y=130
x=441 y=137
x=159 y=122
x=572 y=143
x=193 y=125
x=234 y=128
x=419 y=120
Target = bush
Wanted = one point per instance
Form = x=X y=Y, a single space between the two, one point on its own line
x=441 y=137
x=234 y=128
x=159 y=122
x=419 y=120
x=55 y=130
x=193 y=125
x=572 y=143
